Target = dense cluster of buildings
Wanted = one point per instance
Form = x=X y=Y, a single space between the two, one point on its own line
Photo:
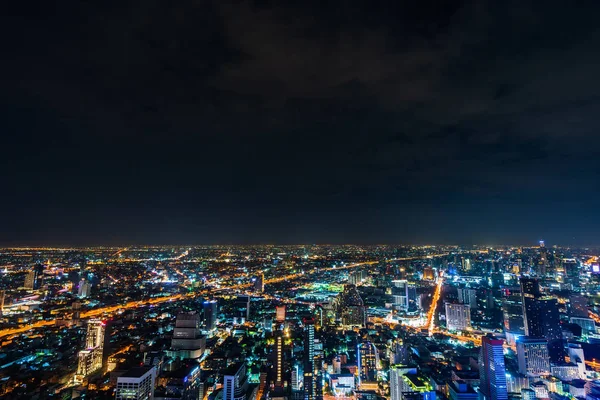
x=300 y=323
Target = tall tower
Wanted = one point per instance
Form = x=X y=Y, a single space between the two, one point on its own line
x=530 y=292
x=492 y=373
x=533 y=357
x=368 y=360
x=551 y=329
x=90 y=359
x=279 y=361
x=259 y=283
x=187 y=341
x=309 y=359
x=210 y=311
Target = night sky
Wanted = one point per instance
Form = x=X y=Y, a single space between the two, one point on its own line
x=307 y=121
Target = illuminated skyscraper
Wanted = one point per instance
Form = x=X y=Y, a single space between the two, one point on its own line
x=235 y=382
x=368 y=360
x=210 y=311
x=533 y=357
x=136 y=384
x=458 y=316
x=530 y=292
x=278 y=363
x=242 y=308
x=187 y=341
x=33 y=279
x=90 y=359
x=551 y=329
x=259 y=283
x=492 y=373
x=309 y=359
x=351 y=307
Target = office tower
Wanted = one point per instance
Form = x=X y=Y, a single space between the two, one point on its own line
x=458 y=316
x=209 y=312
x=242 y=308
x=183 y=384
x=309 y=359
x=577 y=357
x=551 y=329
x=278 y=363
x=530 y=293
x=398 y=352
x=90 y=359
x=296 y=380
x=351 y=308
x=30 y=280
x=492 y=373
x=571 y=267
x=235 y=382
x=2 y=296
x=533 y=357
x=512 y=311
x=280 y=314
x=83 y=289
x=187 y=341
x=368 y=360
x=468 y=296
x=259 y=283
x=136 y=384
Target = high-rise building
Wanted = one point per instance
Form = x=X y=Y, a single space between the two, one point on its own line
x=492 y=372
x=458 y=316
x=91 y=357
x=512 y=311
x=182 y=384
x=83 y=289
x=571 y=267
x=577 y=357
x=278 y=363
x=33 y=279
x=468 y=296
x=187 y=341
x=551 y=329
x=136 y=384
x=309 y=359
x=368 y=361
x=530 y=292
x=235 y=382
x=242 y=308
x=259 y=283
x=351 y=308
x=210 y=311
x=533 y=357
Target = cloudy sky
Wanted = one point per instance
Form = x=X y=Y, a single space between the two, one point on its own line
x=302 y=121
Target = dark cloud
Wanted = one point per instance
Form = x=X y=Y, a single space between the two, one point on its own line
x=202 y=121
